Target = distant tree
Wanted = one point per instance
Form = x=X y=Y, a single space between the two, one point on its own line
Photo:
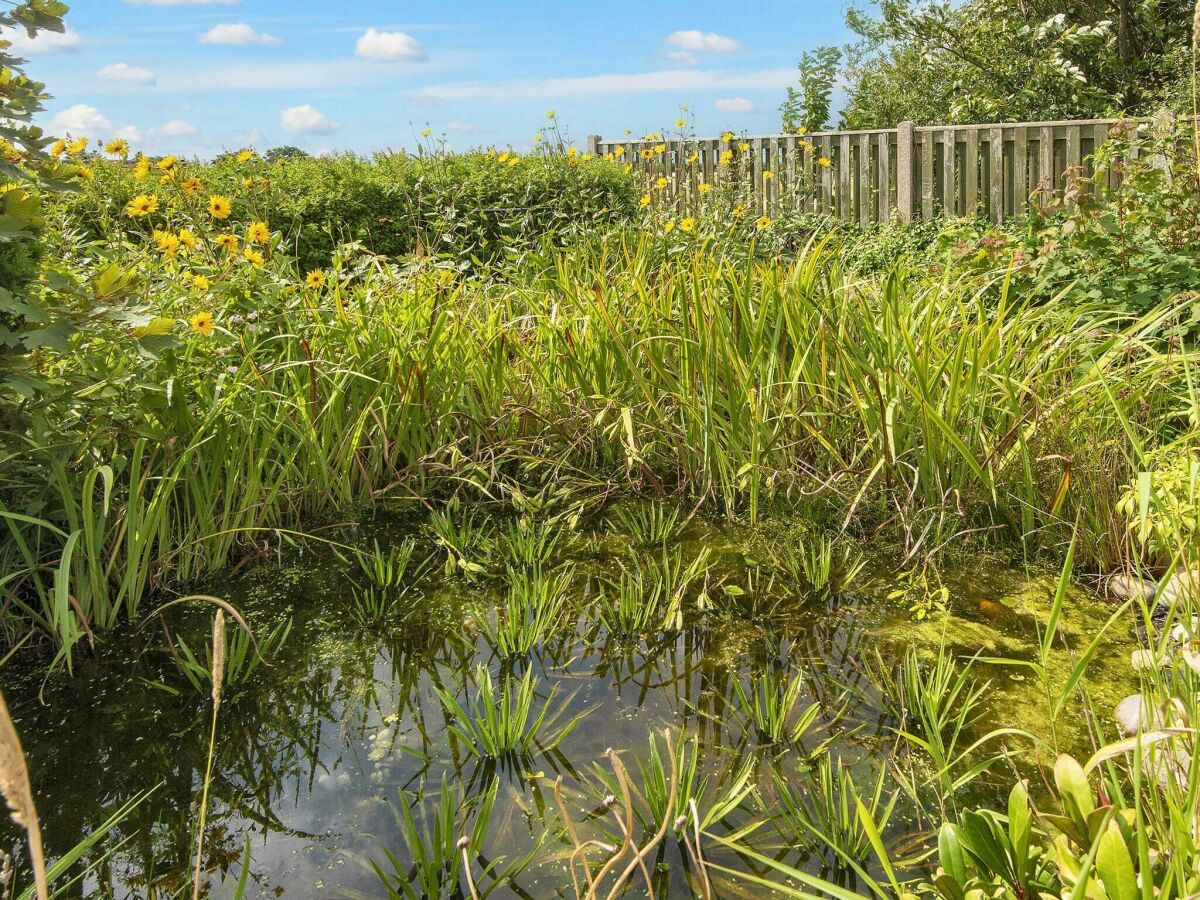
x=275 y=154
x=807 y=107
x=1010 y=60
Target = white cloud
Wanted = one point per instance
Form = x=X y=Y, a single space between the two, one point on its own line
x=42 y=43
x=81 y=119
x=130 y=133
x=388 y=46
x=237 y=33
x=306 y=119
x=124 y=73
x=685 y=58
x=671 y=81
x=177 y=128
x=735 y=105
x=694 y=41
x=461 y=128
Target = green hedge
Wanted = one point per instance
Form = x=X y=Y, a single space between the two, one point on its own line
x=466 y=205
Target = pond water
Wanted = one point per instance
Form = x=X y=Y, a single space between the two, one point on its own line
x=317 y=751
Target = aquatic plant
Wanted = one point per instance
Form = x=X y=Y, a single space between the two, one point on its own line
x=387 y=568
x=444 y=848
x=462 y=537
x=532 y=607
x=241 y=656
x=647 y=524
x=526 y=543
x=819 y=809
x=770 y=706
x=498 y=720
x=824 y=565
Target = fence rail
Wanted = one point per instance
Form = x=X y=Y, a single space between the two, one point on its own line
x=910 y=172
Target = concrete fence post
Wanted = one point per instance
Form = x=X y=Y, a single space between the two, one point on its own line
x=593 y=144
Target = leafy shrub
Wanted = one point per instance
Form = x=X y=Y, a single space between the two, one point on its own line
x=474 y=205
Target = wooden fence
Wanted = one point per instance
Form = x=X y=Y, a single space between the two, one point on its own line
x=911 y=172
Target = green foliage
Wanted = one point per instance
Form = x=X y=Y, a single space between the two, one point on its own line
x=934 y=61
x=807 y=107
x=465 y=207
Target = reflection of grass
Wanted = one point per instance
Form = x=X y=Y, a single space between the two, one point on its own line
x=769 y=706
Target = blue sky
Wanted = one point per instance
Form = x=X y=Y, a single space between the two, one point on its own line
x=199 y=76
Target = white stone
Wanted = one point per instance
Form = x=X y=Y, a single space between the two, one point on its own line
x=1127 y=585
x=1144 y=660
x=1130 y=716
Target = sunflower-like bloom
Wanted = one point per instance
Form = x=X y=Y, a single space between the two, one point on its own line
x=202 y=323
x=141 y=205
x=315 y=278
x=258 y=233
x=219 y=207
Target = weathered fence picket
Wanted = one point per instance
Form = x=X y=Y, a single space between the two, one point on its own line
x=909 y=172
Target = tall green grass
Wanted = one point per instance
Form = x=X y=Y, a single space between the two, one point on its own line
x=931 y=405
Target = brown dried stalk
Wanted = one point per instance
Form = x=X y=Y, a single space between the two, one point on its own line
x=14 y=785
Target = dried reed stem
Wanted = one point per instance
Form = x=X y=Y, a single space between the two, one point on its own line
x=218 y=681
x=14 y=785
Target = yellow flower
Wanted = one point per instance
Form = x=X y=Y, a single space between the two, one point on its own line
x=219 y=207
x=513 y=160
x=653 y=136
x=619 y=150
x=739 y=211
x=704 y=187
x=168 y=175
x=141 y=168
x=426 y=132
x=85 y=173
x=58 y=148
x=647 y=153
x=315 y=278
x=503 y=157
x=669 y=226
x=258 y=233
x=824 y=162
x=141 y=205
x=188 y=239
x=245 y=156
x=627 y=168
x=253 y=256
x=247 y=182
x=660 y=149
x=687 y=224
x=537 y=138
x=744 y=147
x=167 y=162
x=117 y=147
x=550 y=114
x=228 y=242
x=695 y=156
x=572 y=152
x=763 y=223
x=200 y=282
x=191 y=186
x=202 y=323
x=661 y=183
x=727 y=137
x=645 y=201
x=726 y=157
x=168 y=244
x=77 y=146
x=679 y=123
x=767 y=176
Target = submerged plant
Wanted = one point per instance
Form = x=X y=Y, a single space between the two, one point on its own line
x=243 y=654
x=462 y=537
x=498 y=720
